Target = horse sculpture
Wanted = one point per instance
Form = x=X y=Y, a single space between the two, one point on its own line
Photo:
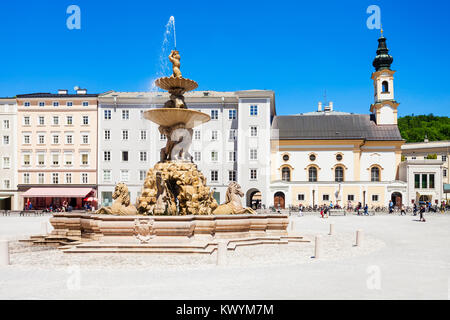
x=121 y=205
x=233 y=203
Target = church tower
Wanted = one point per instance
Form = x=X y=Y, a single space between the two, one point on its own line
x=384 y=107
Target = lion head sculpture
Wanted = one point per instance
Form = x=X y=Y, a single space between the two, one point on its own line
x=121 y=192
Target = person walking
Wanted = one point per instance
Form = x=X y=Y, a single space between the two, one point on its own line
x=421 y=212
x=366 y=210
x=415 y=209
x=403 y=210
x=391 y=206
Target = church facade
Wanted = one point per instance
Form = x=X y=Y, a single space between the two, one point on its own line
x=326 y=156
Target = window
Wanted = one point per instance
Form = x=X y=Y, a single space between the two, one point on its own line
x=69 y=139
x=41 y=159
x=85 y=120
x=125 y=135
x=55 y=159
x=301 y=197
x=253 y=174
x=27 y=104
x=339 y=174
x=417 y=181
x=143 y=156
x=68 y=178
x=69 y=120
x=55 y=178
x=41 y=139
x=26 y=120
x=232 y=135
x=385 y=86
x=214 y=135
x=55 y=120
x=124 y=175
x=26 y=178
x=84 y=178
x=68 y=159
x=85 y=104
x=26 y=159
x=5 y=140
x=424 y=181
x=55 y=103
x=431 y=181
x=162 y=137
x=232 y=175
x=142 y=175
x=214 y=114
x=5 y=124
x=41 y=120
x=26 y=139
x=197 y=135
x=125 y=114
x=375 y=198
x=107 y=175
x=55 y=139
x=445 y=173
x=253 y=154
x=253 y=110
x=375 y=174
x=69 y=103
x=231 y=114
x=143 y=135
x=286 y=174
x=444 y=158
x=232 y=156
x=339 y=157
x=197 y=156
x=141 y=114
x=253 y=131
x=7 y=184
x=214 y=156
x=85 y=159
x=312 y=173
x=286 y=157
x=41 y=104
x=125 y=156
x=107 y=135
x=326 y=197
x=6 y=163
x=41 y=178
x=214 y=176
x=107 y=114
x=85 y=139
x=312 y=157
x=106 y=155
x=351 y=197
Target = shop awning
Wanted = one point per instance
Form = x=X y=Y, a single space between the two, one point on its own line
x=446 y=188
x=57 y=192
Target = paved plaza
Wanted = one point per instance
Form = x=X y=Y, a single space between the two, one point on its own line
x=400 y=258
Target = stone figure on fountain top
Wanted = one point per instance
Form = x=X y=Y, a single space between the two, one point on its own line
x=175 y=58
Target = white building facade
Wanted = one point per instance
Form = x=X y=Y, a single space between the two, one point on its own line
x=233 y=146
x=9 y=199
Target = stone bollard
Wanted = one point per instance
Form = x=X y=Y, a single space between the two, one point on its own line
x=318 y=247
x=4 y=253
x=359 y=237
x=331 y=229
x=221 y=253
x=44 y=226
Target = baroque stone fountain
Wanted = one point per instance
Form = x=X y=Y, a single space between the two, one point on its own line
x=176 y=212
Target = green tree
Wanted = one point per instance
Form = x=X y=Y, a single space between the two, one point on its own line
x=416 y=128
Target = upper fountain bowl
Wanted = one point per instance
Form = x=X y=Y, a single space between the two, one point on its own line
x=168 y=117
x=170 y=83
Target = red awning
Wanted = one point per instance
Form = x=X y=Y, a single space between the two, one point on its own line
x=57 y=192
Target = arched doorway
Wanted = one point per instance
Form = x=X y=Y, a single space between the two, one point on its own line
x=424 y=198
x=254 y=199
x=396 y=198
x=278 y=200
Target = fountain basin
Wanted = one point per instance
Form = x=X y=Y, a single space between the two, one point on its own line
x=168 y=117
x=169 y=83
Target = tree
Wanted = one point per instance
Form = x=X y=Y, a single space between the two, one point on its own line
x=416 y=128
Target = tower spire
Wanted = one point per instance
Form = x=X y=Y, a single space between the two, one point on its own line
x=383 y=60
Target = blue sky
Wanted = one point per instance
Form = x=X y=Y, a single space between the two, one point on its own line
x=298 y=49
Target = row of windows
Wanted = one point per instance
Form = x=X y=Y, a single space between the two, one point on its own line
x=213 y=175
x=55 y=120
x=350 y=197
x=214 y=156
x=424 y=181
x=55 y=178
x=443 y=157
x=338 y=174
x=55 y=159
x=232 y=114
x=55 y=139
x=55 y=104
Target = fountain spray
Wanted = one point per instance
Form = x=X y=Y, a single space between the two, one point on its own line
x=172 y=18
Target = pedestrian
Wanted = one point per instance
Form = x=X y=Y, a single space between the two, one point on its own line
x=366 y=210
x=391 y=206
x=321 y=212
x=415 y=209
x=403 y=211
x=421 y=212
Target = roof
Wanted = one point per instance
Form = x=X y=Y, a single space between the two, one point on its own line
x=53 y=95
x=333 y=126
x=426 y=145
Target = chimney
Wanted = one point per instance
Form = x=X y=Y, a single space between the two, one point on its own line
x=81 y=91
x=62 y=91
x=320 y=107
